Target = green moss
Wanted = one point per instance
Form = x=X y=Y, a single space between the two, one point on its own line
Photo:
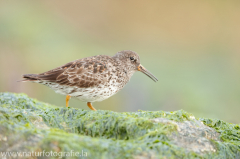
x=105 y=134
x=229 y=134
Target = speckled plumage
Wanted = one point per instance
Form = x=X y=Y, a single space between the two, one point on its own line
x=94 y=78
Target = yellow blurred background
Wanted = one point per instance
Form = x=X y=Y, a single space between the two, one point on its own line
x=192 y=47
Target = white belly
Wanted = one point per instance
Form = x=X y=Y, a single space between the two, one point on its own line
x=92 y=94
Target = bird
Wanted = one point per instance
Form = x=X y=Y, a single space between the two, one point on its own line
x=92 y=79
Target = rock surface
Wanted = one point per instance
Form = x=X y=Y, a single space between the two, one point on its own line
x=36 y=129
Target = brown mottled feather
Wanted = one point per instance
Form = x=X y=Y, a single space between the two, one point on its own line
x=81 y=73
x=84 y=71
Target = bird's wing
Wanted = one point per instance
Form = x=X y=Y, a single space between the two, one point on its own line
x=87 y=72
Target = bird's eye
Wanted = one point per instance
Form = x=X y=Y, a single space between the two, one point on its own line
x=132 y=58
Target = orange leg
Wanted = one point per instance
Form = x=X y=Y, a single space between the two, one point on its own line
x=67 y=99
x=89 y=104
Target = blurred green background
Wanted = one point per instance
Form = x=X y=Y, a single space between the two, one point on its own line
x=193 y=47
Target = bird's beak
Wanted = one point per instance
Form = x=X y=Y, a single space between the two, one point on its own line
x=146 y=72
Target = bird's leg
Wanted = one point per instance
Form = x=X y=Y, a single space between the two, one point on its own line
x=67 y=99
x=89 y=104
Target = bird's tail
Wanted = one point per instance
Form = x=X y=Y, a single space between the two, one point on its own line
x=30 y=77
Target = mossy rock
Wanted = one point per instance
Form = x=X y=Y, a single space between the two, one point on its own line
x=27 y=125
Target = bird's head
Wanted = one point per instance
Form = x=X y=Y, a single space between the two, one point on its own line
x=131 y=61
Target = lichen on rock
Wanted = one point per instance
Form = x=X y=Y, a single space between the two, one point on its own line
x=29 y=125
x=192 y=135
